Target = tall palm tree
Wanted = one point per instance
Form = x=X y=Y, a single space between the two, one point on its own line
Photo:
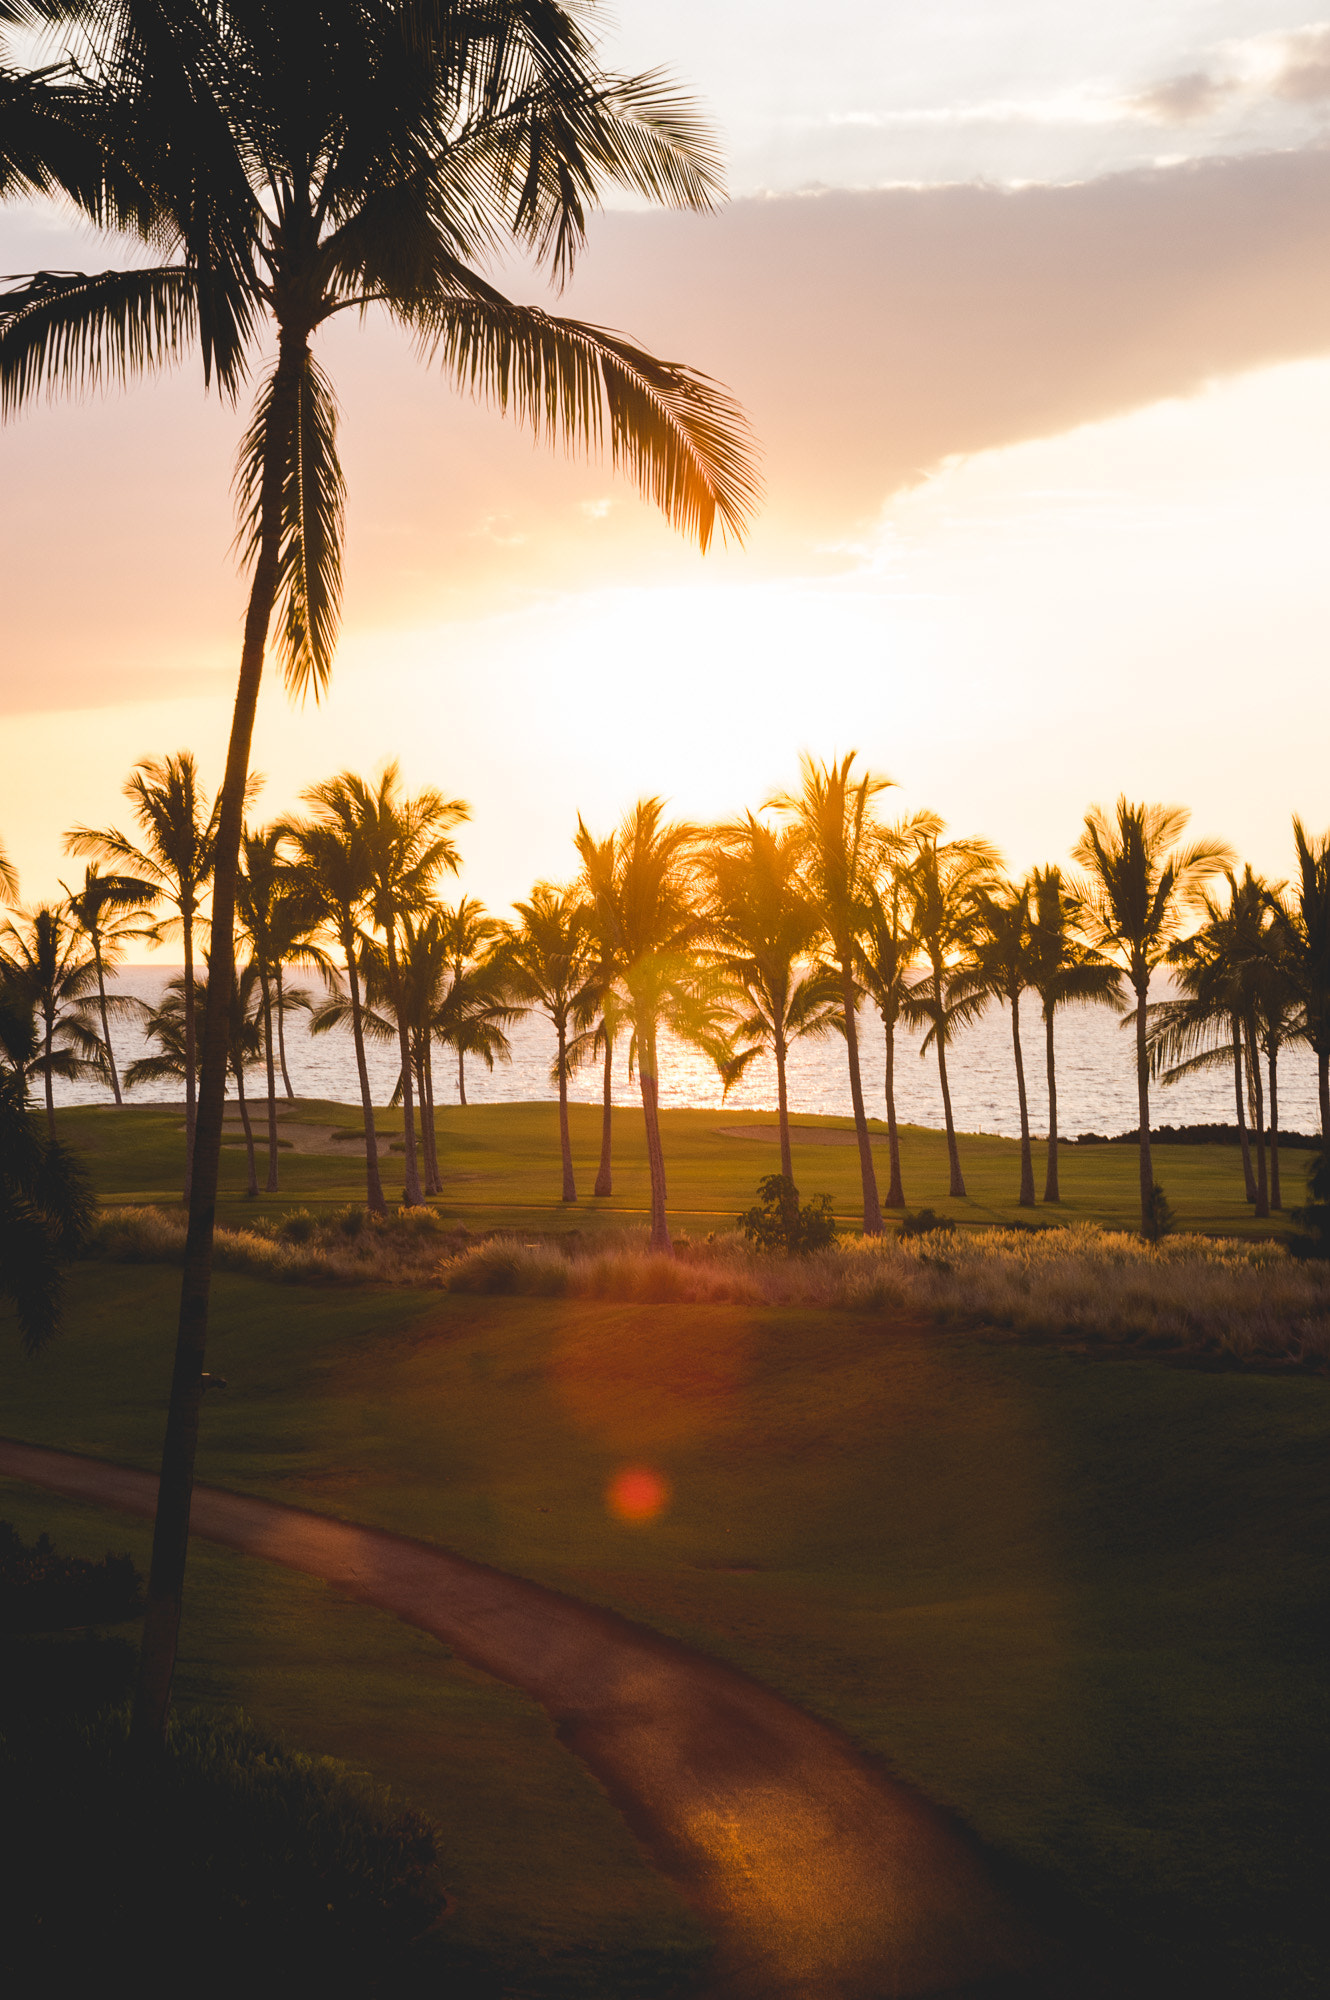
x=1065 y=972
x=601 y=1039
x=547 y=961
x=762 y=931
x=176 y=854
x=108 y=909
x=942 y=884
x=886 y=952
x=406 y=846
x=424 y=976
x=164 y=1028
x=273 y=916
x=1304 y=928
x=290 y=164
x=50 y=972
x=646 y=903
x=1139 y=888
x=1001 y=968
x=473 y=1016
x=332 y=864
x=832 y=818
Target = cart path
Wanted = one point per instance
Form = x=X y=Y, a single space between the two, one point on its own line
x=820 y=1876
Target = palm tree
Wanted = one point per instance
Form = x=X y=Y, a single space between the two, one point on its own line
x=886 y=951
x=763 y=929
x=473 y=1015
x=1064 y=972
x=108 y=909
x=647 y=906
x=605 y=977
x=331 y=861
x=546 y=962
x=274 y=916
x=49 y=972
x=1140 y=886
x=832 y=819
x=405 y=845
x=8 y=877
x=1304 y=928
x=176 y=856
x=1001 y=968
x=164 y=1025
x=942 y=886
x=425 y=976
x=304 y=166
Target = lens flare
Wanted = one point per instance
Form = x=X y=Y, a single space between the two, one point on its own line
x=637 y=1493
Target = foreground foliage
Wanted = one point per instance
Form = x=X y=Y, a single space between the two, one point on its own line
x=1248 y=1301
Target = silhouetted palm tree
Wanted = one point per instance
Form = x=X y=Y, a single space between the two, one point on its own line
x=942 y=884
x=1001 y=968
x=1140 y=886
x=108 y=909
x=763 y=929
x=301 y=163
x=547 y=960
x=647 y=905
x=331 y=861
x=886 y=952
x=1304 y=927
x=832 y=818
x=473 y=1016
x=49 y=970
x=179 y=834
x=1064 y=972
x=602 y=1037
x=274 y=914
x=8 y=877
x=164 y=1027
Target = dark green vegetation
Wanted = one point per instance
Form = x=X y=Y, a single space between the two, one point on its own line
x=501 y=1169
x=1080 y=1600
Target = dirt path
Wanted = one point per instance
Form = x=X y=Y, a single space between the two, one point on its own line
x=821 y=1877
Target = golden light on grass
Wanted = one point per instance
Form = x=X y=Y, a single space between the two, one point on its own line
x=637 y=1494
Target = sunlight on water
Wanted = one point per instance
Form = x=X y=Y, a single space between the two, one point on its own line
x=1096 y=1075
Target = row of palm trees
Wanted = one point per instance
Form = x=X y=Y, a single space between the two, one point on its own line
x=741 y=939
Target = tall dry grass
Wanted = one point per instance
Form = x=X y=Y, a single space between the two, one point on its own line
x=1203 y=1295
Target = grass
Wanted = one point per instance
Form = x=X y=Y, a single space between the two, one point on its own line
x=1079 y=1599
x=501 y=1170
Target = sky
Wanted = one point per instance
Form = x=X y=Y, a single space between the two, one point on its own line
x=1028 y=302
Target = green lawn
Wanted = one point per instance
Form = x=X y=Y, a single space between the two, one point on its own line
x=501 y=1169
x=1082 y=1600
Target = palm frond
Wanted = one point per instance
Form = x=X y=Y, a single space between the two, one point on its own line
x=73 y=331
x=678 y=435
x=313 y=511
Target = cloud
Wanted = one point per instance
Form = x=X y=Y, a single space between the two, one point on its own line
x=1304 y=77
x=873 y=336
x=1290 y=68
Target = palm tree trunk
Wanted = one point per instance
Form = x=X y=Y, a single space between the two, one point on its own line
x=1051 y=1189
x=191 y=1047
x=957 y=1183
x=170 y=1541
x=783 y=1109
x=106 y=1021
x=1276 y=1196
x=412 y=1196
x=867 y=1175
x=433 y=1128
x=1248 y=1177
x=433 y=1184
x=1258 y=1095
x=647 y=1079
x=565 y=1136
x=1323 y=1092
x=461 y=1076
x=896 y=1191
x=50 y=1080
x=281 y=1032
x=605 y=1173
x=373 y=1185
x=1026 y=1196
x=271 y=1187
x=1142 y=985
x=239 y=1074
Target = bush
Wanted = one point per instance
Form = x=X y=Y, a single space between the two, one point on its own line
x=925 y=1222
x=778 y=1222
x=230 y=1865
x=1158 y=1219
x=41 y=1591
x=1313 y=1219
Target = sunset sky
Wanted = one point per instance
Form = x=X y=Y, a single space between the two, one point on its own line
x=1029 y=303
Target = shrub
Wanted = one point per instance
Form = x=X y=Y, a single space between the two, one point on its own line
x=1313 y=1219
x=41 y=1591
x=925 y=1222
x=297 y=1227
x=778 y=1222
x=229 y=1865
x=1157 y=1220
